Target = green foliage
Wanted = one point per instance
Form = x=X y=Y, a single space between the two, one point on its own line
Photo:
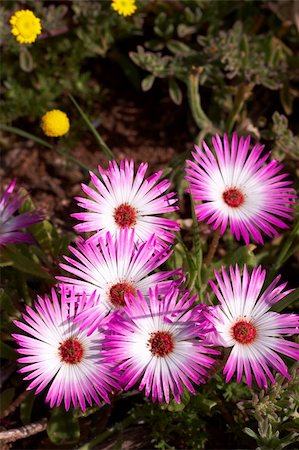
x=63 y=427
x=35 y=78
x=276 y=413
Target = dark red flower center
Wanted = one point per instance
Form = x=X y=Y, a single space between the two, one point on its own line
x=125 y=216
x=117 y=293
x=233 y=197
x=244 y=332
x=71 y=351
x=161 y=343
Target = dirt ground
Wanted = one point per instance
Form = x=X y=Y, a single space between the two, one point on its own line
x=134 y=126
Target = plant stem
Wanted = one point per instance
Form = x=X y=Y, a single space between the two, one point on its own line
x=201 y=119
x=96 y=134
x=213 y=247
x=40 y=141
x=68 y=156
x=106 y=434
x=243 y=93
x=284 y=253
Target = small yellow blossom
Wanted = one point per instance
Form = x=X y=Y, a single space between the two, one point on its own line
x=124 y=7
x=25 y=26
x=55 y=123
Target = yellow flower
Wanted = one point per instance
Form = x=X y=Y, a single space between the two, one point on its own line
x=55 y=123
x=25 y=26
x=124 y=7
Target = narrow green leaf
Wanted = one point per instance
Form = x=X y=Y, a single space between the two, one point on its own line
x=98 y=137
x=42 y=230
x=282 y=256
x=286 y=301
x=24 y=134
x=25 y=264
x=7 y=352
x=26 y=60
x=197 y=247
x=26 y=408
x=251 y=433
x=63 y=427
x=175 y=92
x=5 y=302
x=242 y=255
x=179 y=48
x=147 y=82
x=6 y=397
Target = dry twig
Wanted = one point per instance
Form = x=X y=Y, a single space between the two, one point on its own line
x=23 y=432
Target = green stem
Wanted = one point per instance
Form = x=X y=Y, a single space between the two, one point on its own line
x=201 y=119
x=284 y=252
x=213 y=247
x=40 y=141
x=197 y=249
x=106 y=434
x=243 y=93
x=68 y=156
x=24 y=134
x=96 y=134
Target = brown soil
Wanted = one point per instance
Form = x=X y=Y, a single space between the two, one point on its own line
x=139 y=127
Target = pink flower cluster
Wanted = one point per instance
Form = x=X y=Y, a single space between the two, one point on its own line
x=119 y=320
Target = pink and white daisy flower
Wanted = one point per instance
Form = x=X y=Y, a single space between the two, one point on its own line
x=123 y=199
x=9 y=223
x=58 y=353
x=158 y=344
x=114 y=269
x=243 y=321
x=238 y=188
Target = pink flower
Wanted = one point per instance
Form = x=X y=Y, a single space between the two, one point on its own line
x=59 y=354
x=122 y=199
x=158 y=344
x=237 y=188
x=10 y=223
x=114 y=269
x=243 y=321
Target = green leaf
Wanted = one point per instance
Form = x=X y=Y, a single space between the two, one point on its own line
x=243 y=255
x=26 y=408
x=26 y=61
x=7 y=352
x=173 y=406
x=179 y=48
x=63 y=427
x=147 y=82
x=175 y=92
x=251 y=433
x=5 y=302
x=41 y=231
x=6 y=397
x=184 y=30
x=24 y=134
x=286 y=301
x=25 y=264
x=98 y=137
x=286 y=98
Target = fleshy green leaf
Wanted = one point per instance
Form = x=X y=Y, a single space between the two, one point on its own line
x=175 y=92
x=26 y=61
x=6 y=397
x=25 y=264
x=98 y=137
x=7 y=352
x=147 y=82
x=26 y=408
x=63 y=427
